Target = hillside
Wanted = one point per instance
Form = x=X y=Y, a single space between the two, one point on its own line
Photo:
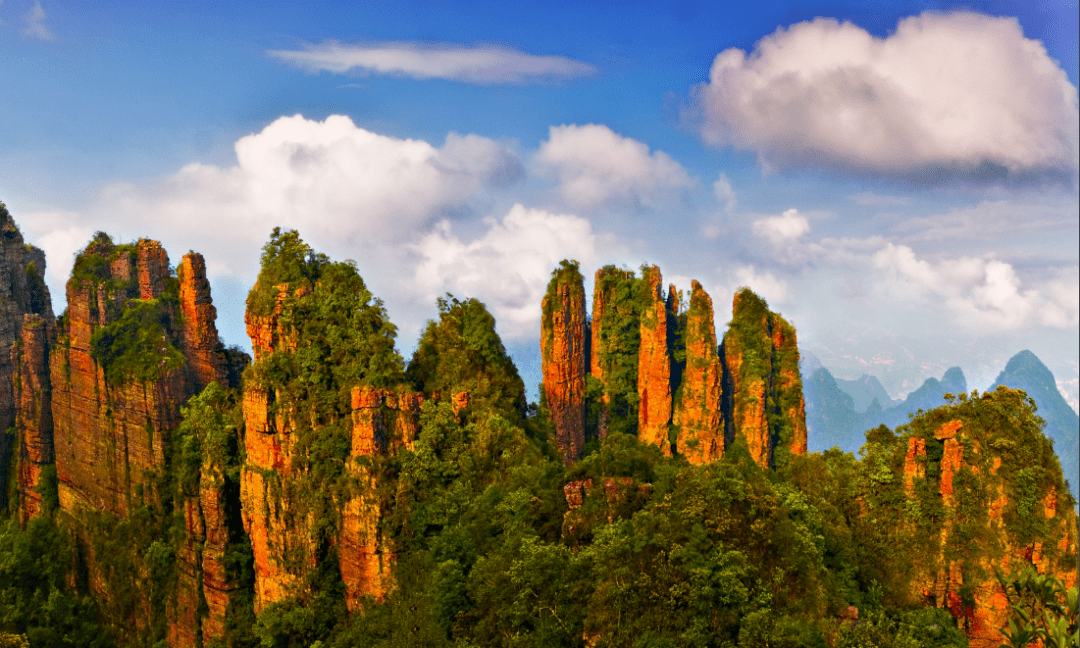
x=165 y=490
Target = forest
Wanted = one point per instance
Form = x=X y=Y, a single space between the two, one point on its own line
x=328 y=492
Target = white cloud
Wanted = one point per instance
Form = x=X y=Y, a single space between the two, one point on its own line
x=944 y=95
x=508 y=268
x=980 y=292
x=35 y=24
x=330 y=179
x=487 y=64
x=595 y=165
x=785 y=228
x=766 y=285
x=724 y=193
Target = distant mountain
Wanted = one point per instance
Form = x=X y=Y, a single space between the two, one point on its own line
x=865 y=390
x=833 y=418
x=1025 y=371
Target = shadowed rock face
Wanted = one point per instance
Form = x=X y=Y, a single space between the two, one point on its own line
x=563 y=340
x=654 y=365
x=763 y=389
x=24 y=355
x=697 y=411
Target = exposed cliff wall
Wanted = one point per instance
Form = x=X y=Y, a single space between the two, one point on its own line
x=33 y=412
x=697 y=410
x=563 y=341
x=22 y=292
x=654 y=364
x=111 y=418
x=199 y=341
x=318 y=410
x=762 y=387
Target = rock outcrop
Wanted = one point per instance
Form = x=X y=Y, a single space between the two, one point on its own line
x=24 y=301
x=198 y=333
x=956 y=571
x=614 y=348
x=281 y=503
x=762 y=386
x=654 y=364
x=697 y=410
x=110 y=434
x=563 y=340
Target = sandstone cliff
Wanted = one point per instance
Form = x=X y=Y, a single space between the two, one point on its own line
x=614 y=349
x=697 y=411
x=24 y=301
x=762 y=386
x=964 y=462
x=654 y=364
x=563 y=341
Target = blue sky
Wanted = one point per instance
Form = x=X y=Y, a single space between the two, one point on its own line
x=899 y=179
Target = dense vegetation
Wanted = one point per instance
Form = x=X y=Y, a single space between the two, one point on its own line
x=489 y=550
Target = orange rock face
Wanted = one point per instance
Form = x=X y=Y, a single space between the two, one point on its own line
x=761 y=369
x=914 y=464
x=698 y=414
x=199 y=337
x=108 y=436
x=33 y=409
x=654 y=367
x=562 y=348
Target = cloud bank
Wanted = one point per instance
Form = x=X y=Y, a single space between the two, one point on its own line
x=945 y=95
x=484 y=65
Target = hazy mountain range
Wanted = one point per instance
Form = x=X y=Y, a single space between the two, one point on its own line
x=838 y=411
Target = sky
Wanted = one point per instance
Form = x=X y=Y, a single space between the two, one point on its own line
x=898 y=179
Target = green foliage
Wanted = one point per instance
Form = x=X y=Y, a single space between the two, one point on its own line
x=462 y=351
x=138 y=345
x=1042 y=610
x=34 y=599
x=617 y=346
x=37 y=300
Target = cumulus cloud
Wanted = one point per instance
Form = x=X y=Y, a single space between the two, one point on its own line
x=724 y=193
x=487 y=64
x=785 y=228
x=945 y=95
x=508 y=267
x=330 y=179
x=764 y=284
x=984 y=292
x=596 y=166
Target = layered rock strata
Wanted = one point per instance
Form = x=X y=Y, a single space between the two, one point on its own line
x=108 y=437
x=23 y=292
x=33 y=410
x=198 y=333
x=654 y=365
x=563 y=340
x=697 y=411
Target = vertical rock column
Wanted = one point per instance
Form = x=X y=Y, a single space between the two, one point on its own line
x=33 y=409
x=562 y=347
x=365 y=562
x=697 y=413
x=199 y=336
x=654 y=366
x=761 y=380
